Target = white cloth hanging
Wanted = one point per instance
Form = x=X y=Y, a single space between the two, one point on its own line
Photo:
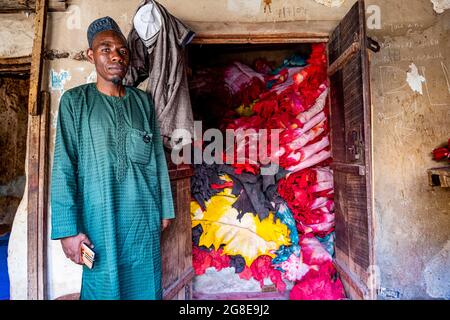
x=147 y=22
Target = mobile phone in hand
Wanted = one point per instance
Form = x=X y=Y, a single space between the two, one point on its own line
x=87 y=255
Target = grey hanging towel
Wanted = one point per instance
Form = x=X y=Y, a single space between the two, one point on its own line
x=161 y=59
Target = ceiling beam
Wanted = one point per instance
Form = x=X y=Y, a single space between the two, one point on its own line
x=14 y=6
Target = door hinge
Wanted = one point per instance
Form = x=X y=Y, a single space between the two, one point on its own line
x=373 y=45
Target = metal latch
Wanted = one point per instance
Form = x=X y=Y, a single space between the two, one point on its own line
x=373 y=45
x=355 y=144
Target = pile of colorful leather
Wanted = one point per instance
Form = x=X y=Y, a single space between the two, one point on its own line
x=295 y=107
x=286 y=232
x=227 y=235
x=309 y=195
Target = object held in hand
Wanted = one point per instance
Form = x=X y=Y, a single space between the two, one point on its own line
x=87 y=255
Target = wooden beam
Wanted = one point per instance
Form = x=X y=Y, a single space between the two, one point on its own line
x=294 y=37
x=19 y=65
x=344 y=58
x=37 y=57
x=358 y=290
x=349 y=168
x=181 y=171
x=43 y=196
x=32 y=206
x=16 y=60
x=14 y=6
x=185 y=279
x=38 y=200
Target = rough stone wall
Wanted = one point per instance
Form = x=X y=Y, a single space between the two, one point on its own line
x=410 y=118
x=13 y=134
x=17 y=39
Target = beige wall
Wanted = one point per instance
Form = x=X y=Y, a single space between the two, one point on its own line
x=16 y=34
x=412 y=219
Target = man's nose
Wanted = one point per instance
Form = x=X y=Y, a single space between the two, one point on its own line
x=116 y=56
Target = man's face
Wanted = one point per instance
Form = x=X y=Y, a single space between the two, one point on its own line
x=110 y=55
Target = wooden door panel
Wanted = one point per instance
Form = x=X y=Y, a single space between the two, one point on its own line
x=176 y=241
x=351 y=148
x=337 y=119
x=342 y=238
x=357 y=222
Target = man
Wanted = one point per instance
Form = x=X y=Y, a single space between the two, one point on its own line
x=110 y=185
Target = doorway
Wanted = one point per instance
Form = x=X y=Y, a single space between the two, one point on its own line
x=14 y=88
x=350 y=122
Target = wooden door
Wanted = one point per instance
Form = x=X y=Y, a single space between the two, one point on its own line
x=176 y=241
x=352 y=154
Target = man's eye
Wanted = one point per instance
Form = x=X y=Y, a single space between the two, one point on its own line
x=105 y=50
x=124 y=52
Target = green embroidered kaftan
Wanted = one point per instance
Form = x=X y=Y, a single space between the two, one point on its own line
x=110 y=181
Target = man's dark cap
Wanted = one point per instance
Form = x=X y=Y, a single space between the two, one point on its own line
x=100 y=25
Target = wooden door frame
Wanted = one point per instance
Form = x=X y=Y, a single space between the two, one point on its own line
x=258 y=38
x=368 y=152
x=37 y=164
x=37 y=207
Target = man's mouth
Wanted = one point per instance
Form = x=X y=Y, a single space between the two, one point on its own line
x=117 y=68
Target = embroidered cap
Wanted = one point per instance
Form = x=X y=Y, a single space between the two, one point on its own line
x=100 y=25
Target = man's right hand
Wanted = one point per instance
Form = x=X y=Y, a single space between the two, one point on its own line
x=72 y=247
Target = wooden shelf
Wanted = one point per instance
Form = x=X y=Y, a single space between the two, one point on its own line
x=439 y=177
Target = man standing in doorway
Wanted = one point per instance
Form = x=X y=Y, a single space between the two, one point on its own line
x=110 y=185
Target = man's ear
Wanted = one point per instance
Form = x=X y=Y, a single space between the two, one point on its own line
x=90 y=55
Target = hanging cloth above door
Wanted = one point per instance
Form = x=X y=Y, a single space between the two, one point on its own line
x=157 y=42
